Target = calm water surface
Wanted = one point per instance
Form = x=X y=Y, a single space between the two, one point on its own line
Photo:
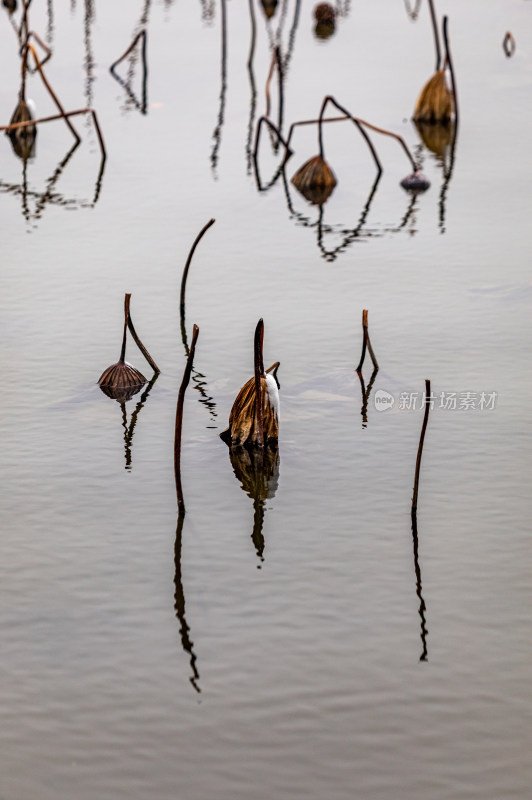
x=308 y=647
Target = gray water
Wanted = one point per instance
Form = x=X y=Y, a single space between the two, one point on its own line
x=310 y=648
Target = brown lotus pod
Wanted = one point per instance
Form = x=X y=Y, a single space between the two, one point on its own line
x=22 y=139
x=269 y=7
x=122 y=378
x=254 y=420
x=315 y=180
x=435 y=101
x=324 y=13
x=11 y=5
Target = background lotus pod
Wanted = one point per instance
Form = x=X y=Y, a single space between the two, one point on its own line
x=435 y=101
x=416 y=182
x=325 y=13
x=269 y=7
x=22 y=139
x=122 y=376
x=242 y=419
x=315 y=180
x=11 y=5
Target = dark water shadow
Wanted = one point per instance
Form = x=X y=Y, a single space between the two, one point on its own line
x=132 y=51
x=122 y=396
x=179 y=606
x=257 y=470
x=366 y=392
x=217 y=133
x=440 y=140
x=199 y=379
x=422 y=607
x=49 y=196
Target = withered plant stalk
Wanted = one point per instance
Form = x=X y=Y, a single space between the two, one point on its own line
x=420 y=448
x=179 y=422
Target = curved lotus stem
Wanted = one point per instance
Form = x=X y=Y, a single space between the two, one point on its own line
x=437 y=46
x=448 y=59
x=259 y=373
x=357 y=122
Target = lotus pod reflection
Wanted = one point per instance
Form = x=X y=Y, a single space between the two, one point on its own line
x=435 y=101
x=436 y=137
x=315 y=180
x=270 y=7
x=22 y=139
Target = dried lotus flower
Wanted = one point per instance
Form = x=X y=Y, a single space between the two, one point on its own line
x=315 y=180
x=254 y=420
x=122 y=380
x=435 y=101
x=22 y=139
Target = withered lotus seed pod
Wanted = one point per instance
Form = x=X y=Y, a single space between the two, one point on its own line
x=122 y=379
x=315 y=180
x=252 y=422
x=324 y=13
x=416 y=182
x=22 y=139
x=11 y=5
x=435 y=101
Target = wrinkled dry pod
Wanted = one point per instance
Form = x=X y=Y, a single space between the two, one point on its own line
x=255 y=420
x=435 y=101
x=11 y=5
x=22 y=139
x=315 y=180
x=416 y=182
x=269 y=7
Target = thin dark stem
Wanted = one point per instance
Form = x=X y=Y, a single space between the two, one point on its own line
x=179 y=422
x=356 y=121
x=141 y=347
x=126 y=320
x=420 y=448
x=187 y=267
x=364 y=339
x=51 y=91
x=422 y=606
x=259 y=372
x=310 y=122
x=449 y=61
x=436 y=36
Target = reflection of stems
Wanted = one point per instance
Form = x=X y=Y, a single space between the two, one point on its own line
x=365 y=394
x=292 y=37
x=217 y=135
x=179 y=598
x=129 y=430
x=253 y=102
x=53 y=180
x=422 y=606
x=179 y=422
x=257 y=536
x=420 y=447
x=142 y=106
x=447 y=175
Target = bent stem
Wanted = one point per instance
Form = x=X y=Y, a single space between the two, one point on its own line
x=259 y=373
x=54 y=117
x=141 y=347
x=124 y=337
x=357 y=122
x=51 y=92
x=187 y=267
x=179 y=422
x=420 y=447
